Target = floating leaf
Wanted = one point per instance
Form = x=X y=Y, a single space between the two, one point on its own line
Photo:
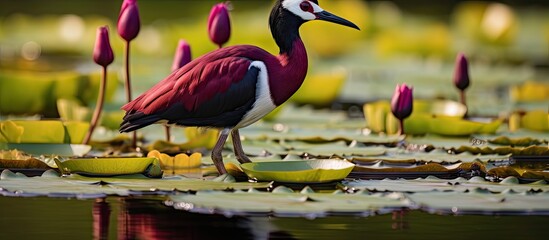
x=10 y=132
x=526 y=174
x=378 y=171
x=111 y=166
x=30 y=163
x=432 y=183
x=12 y=184
x=478 y=202
x=310 y=171
x=522 y=142
x=42 y=131
x=286 y=204
x=50 y=149
x=437 y=156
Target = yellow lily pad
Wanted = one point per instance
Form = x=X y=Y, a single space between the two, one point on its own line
x=453 y=127
x=110 y=166
x=43 y=131
x=309 y=171
x=321 y=89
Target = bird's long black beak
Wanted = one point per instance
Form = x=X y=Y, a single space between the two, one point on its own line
x=329 y=17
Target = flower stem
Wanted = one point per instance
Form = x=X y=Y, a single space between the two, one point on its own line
x=129 y=87
x=463 y=101
x=98 y=106
x=168 y=135
x=401 y=127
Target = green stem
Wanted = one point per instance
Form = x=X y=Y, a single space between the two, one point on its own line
x=129 y=87
x=168 y=135
x=463 y=101
x=98 y=106
x=401 y=127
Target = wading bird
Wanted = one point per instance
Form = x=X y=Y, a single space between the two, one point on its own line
x=233 y=87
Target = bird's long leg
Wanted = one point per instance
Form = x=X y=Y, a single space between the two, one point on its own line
x=237 y=145
x=216 y=152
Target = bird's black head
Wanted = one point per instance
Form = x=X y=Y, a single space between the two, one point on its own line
x=288 y=15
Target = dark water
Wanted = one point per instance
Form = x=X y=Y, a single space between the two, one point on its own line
x=148 y=218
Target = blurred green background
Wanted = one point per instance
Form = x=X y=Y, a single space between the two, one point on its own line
x=415 y=42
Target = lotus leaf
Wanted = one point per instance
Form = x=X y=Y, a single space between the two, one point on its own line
x=287 y=203
x=74 y=185
x=111 y=166
x=10 y=132
x=458 y=185
x=321 y=89
x=29 y=163
x=309 y=171
x=43 y=131
x=49 y=149
x=524 y=174
x=480 y=202
x=25 y=92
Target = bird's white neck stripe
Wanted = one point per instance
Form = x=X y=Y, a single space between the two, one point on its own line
x=263 y=104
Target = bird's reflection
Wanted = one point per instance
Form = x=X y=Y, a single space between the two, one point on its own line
x=150 y=219
x=101 y=214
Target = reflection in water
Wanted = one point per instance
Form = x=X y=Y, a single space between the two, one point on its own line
x=399 y=220
x=101 y=214
x=149 y=219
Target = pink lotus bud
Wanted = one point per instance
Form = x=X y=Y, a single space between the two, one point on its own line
x=461 y=74
x=402 y=102
x=182 y=55
x=128 y=20
x=219 y=24
x=102 y=52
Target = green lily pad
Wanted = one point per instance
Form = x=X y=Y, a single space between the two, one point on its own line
x=288 y=203
x=53 y=185
x=431 y=183
x=10 y=132
x=481 y=202
x=52 y=149
x=309 y=171
x=43 y=131
x=111 y=166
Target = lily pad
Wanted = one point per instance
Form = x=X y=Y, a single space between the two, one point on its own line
x=481 y=202
x=458 y=185
x=52 y=149
x=308 y=171
x=74 y=185
x=287 y=203
x=42 y=131
x=111 y=166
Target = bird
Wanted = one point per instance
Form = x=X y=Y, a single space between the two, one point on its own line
x=235 y=86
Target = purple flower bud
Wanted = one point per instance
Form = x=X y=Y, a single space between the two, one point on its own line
x=461 y=74
x=128 y=20
x=102 y=52
x=219 y=24
x=402 y=102
x=182 y=55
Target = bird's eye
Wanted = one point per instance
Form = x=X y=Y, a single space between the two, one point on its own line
x=306 y=6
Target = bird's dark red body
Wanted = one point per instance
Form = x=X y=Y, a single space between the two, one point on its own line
x=216 y=84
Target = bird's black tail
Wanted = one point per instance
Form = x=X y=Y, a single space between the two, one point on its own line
x=134 y=120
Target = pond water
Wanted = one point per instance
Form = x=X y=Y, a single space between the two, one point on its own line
x=149 y=218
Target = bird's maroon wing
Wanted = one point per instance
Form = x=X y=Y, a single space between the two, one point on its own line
x=198 y=92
